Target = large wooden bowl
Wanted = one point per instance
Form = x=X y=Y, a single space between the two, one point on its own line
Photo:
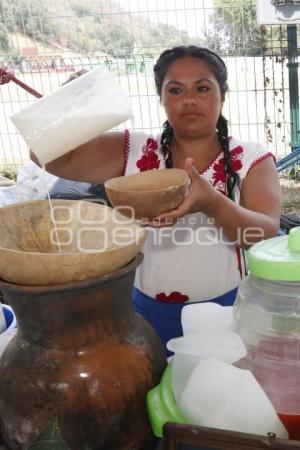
x=95 y=240
x=148 y=193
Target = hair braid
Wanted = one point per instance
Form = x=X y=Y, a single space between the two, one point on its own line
x=232 y=177
x=165 y=142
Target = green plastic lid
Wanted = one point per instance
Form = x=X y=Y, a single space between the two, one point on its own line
x=161 y=404
x=277 y=259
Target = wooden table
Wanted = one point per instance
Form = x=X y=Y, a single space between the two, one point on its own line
x=191 y=437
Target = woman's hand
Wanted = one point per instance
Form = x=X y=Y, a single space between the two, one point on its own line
x=255 y=218
x=75 y=75
x=201 y=195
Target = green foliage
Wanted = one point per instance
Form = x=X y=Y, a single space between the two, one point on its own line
x=160 y=37
x=235 y=28
x=30 y=17
x=115 y=39
x=87 y=30
x=79 y=42
x=81 y=9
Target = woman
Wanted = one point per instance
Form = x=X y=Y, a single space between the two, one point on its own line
x=233 y=201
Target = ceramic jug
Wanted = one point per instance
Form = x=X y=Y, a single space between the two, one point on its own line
x=77 y=373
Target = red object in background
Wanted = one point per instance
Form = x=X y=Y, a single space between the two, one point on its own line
x=292 y=424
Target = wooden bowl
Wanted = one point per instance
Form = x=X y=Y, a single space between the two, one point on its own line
x=94 y=239
x=148 y=193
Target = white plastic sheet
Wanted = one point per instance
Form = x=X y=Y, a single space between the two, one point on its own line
x=32 y=184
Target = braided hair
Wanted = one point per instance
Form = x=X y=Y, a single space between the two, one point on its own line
x=219 y=70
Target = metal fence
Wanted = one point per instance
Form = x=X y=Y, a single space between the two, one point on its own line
x=45 y=41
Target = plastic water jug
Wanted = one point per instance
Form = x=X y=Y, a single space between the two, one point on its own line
x=267 y=317
x=74 y=114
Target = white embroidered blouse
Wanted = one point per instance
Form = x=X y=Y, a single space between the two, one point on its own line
x=190 y=261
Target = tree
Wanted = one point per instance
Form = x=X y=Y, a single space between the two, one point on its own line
x=235 y=31
x=235 y=28
x=161 y=36
x=30 y=17
x=116 y=40
x=81 y=9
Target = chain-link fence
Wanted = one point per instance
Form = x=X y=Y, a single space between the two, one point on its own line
x=45 y=41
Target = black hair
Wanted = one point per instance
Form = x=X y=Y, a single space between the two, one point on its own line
x=219 y=70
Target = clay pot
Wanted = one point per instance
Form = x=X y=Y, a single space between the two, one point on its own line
x=79 y=368
x=94 y=240
x=149 y=193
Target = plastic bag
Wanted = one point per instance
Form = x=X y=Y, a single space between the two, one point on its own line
x=33 y=183
x=77 y=190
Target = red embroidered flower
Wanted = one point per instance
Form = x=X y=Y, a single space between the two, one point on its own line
x=174 y=297
x=235 y=158
x=149 y=160
x=219 y=176
x=151 y=145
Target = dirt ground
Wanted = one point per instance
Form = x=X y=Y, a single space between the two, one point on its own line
x=290 y=196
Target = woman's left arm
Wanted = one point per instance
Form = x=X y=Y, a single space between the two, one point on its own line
x=257 y=216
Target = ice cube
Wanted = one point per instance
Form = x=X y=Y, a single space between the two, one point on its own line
x=191 y=349
x=202 y=317
x=220 y=395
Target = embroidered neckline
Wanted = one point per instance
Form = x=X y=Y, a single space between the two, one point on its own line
x=208 y=165
x=126 y=151
x=212 y=162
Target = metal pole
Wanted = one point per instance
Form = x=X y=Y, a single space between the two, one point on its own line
x=293 y=85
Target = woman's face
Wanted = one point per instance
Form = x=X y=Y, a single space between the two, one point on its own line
x=191 y=97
